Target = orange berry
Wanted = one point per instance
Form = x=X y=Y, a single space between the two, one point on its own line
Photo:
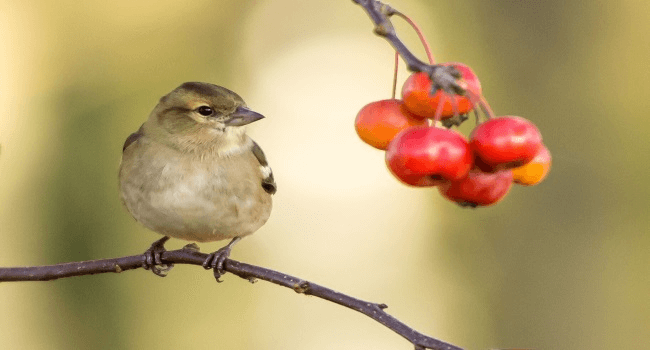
x=534 y=171
x=378 y=122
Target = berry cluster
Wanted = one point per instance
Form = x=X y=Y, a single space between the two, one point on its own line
x=422 y=149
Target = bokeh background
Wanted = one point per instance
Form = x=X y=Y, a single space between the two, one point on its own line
x=564 y=265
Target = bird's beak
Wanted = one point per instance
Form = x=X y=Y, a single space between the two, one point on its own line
x=242 y=116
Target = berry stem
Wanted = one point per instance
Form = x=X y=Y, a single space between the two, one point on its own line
x=417 y=29
x=475 y=101
x=476 y=114
x=436 y=117
x=454 y=105
x=423 y=40
x=395 y=74
x=485 y=106
x=479 y=100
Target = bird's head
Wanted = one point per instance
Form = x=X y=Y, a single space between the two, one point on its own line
x=200 y=116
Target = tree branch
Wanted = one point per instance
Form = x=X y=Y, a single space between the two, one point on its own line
x=246 y=271
x=442 y=77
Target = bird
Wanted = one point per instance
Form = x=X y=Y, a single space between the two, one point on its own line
x=191 y=172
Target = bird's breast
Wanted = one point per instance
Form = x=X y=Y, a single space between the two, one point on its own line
x=199 y=199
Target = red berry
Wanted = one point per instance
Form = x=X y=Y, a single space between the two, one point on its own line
x=535 y=171
x=426 y=156
x=417 y=97
x=478 y=188
x=505 y=143
x=379 y=122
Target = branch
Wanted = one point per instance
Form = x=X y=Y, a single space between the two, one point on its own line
x=246 y=271
x=442 y=77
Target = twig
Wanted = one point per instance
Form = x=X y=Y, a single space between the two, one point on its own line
x=246 y=271
x=442 y=77
x=417 y=29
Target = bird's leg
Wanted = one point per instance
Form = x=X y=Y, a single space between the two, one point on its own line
x=152 y=258
x=216 y=260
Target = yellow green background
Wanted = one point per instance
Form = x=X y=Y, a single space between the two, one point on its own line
x=564 y=265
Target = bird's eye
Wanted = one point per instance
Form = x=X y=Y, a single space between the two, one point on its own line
x=205 y=111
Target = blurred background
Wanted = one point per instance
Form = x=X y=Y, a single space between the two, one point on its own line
x=563 y=265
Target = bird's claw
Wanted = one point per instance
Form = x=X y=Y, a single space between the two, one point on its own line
x=153 y=261
x=215 y=261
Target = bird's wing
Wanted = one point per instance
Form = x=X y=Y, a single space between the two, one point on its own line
x=268 y=183
x=132 y=138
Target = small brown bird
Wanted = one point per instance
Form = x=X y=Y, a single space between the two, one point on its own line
x=191 y=172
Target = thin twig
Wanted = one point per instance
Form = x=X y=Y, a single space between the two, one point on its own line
x=442 y=77
x=416 y=27
x=246 y=271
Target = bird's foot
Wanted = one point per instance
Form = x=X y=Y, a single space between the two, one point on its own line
x=153 y=261
x=216 y=260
